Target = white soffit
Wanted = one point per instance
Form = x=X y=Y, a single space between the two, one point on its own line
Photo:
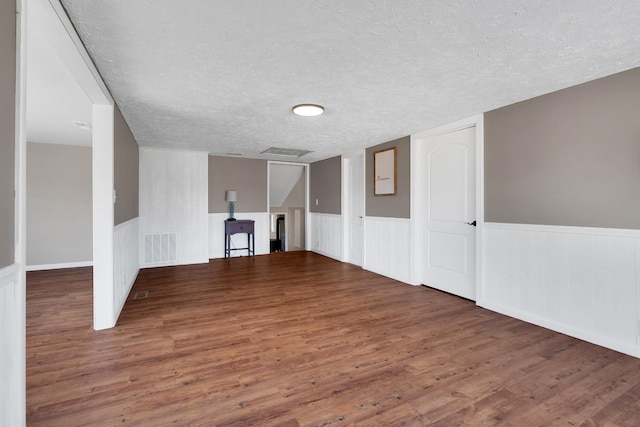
x=55 y=101
x=221 y=76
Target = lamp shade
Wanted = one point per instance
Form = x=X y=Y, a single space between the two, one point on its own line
x=231 y=196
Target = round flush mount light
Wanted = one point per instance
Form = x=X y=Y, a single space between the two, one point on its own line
x=308 y=110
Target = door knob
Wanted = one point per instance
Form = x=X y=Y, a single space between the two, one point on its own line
x=471 y=223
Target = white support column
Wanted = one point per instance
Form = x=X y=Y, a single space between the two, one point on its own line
x=13 y=278
x=103 y=216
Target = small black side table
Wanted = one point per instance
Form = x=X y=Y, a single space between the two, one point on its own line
x=235 y=227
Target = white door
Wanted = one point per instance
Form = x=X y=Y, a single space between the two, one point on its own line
x=449 y=212
x=355 y=208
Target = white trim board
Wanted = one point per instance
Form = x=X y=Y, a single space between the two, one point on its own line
x=59 y=266
x=568 y=229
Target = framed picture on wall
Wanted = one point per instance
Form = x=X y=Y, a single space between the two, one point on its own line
x=384 y=172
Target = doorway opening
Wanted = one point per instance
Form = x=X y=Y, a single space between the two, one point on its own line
x=288 y=189
x=59 y=149
x=277 y=232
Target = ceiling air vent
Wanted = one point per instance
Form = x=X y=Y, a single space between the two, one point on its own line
x=286 y=152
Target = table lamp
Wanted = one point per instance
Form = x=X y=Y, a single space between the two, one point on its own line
x=231 y=196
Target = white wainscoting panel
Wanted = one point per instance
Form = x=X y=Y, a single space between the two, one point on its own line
x=12 y=337
x=174 y=199
x=126 y=261
x=216 y=234
x=326 y=234
x=583 y=282
x=387 y=247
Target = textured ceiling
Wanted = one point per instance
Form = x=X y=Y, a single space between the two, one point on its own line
x=222 y=76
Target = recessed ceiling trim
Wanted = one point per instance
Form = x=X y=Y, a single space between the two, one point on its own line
x=286 y=152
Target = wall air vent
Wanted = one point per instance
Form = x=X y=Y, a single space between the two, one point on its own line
x=286 y=152
x=160 y=248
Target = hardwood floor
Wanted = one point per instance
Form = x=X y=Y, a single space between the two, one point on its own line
x=297 y=339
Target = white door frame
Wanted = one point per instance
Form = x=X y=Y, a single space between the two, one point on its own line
x=13 y=390
x=346 y=195
x=418 y=191
x=307 y=244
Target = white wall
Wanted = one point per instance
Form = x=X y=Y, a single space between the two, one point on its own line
x=580 y=281
x=174 y=199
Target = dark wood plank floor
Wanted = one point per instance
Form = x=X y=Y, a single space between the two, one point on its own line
x=297 y=339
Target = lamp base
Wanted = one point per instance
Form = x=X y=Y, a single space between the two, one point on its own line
x=231 y=219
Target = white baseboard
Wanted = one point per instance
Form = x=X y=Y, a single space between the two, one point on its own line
x=59 y=266
x=563 y=328
x=328 y=254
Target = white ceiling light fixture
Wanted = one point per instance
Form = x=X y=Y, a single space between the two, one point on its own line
x=308 y=110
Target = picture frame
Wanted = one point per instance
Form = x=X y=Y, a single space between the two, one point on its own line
x=385 y=172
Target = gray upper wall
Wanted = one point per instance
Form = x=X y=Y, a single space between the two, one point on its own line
x=398 y=205
x=126 y=170
x=571 y=157
x=60 y=204
x=246 y=176
x=7 y=131
x=325 y=186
